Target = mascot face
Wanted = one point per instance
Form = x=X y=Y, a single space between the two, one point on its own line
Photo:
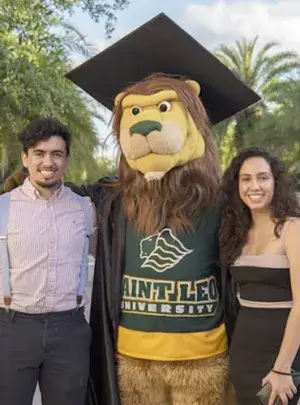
x=157 y=132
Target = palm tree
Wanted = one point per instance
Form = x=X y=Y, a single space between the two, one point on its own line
x=279 y=130
x=262 y=70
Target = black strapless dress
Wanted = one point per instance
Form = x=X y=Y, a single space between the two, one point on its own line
x=259 y=332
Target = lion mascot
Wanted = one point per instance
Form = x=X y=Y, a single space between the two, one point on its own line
x=172 y=340
x=159 y=332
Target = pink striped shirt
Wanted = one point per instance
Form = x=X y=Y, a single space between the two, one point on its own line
x=45 y=244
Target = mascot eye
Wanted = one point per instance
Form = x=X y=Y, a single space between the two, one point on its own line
x=135 y=110
x=165 y=106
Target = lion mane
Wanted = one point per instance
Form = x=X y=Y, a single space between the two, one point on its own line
x=176 y=199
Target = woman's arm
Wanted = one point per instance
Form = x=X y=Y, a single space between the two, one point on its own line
x=283 y=385
x=291 y=340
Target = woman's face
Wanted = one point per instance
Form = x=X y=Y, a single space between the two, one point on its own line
x=256 y=184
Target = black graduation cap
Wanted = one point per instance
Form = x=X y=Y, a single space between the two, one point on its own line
x=161 y=46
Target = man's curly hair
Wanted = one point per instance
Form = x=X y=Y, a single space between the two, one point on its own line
x=42 y=129
x=236 y=219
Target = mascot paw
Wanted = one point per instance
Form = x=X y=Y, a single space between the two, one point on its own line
x=154 y=176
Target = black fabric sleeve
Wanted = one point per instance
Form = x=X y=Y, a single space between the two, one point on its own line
x=95 y=191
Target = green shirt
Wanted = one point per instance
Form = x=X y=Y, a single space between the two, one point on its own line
x=171 y=282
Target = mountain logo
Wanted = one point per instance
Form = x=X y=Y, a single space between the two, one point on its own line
x=162 y=251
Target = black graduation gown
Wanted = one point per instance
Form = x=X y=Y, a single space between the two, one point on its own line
x=105 y=306
x=104 y=317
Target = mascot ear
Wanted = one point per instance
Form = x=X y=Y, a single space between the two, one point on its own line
x=118 y=98
x=195 y=86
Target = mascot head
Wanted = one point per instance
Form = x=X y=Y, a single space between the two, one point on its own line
x=160 y=123
x=166 y=91
x=169 y=167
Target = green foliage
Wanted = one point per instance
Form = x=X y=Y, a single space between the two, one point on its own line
x=264 y=70
x=99 y=8
x=33 y=61
x=30 y=18
x=261 y=69
x=279 y=130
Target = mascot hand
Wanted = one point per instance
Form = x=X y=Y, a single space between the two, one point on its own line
x=15 y=180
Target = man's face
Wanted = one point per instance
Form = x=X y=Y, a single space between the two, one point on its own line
x=46 y=162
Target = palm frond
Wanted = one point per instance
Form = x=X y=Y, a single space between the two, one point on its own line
x=232 y=55
x=281 y=70
x=281 y=58
x=98 y=116
x=73 y=40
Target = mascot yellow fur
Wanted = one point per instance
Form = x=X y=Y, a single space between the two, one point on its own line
x=159 y=335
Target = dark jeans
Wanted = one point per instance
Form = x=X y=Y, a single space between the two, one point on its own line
x=49 y=349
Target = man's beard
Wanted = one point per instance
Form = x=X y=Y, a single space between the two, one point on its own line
x=53 y=184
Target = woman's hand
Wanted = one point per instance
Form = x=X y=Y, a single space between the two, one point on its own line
x=282 y=387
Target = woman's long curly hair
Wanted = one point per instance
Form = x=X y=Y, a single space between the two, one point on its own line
x=236 y=219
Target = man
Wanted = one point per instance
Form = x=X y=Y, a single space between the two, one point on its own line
x=44 y=336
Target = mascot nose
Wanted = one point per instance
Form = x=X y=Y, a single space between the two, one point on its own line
x=145 y=127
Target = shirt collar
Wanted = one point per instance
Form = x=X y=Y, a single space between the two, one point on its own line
x=32 y=192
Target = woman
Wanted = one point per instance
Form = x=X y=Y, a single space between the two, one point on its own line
x=260 y=247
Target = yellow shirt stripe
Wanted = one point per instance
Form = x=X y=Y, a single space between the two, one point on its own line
x=172 y=346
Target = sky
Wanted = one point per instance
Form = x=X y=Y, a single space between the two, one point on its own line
x=210 y=22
